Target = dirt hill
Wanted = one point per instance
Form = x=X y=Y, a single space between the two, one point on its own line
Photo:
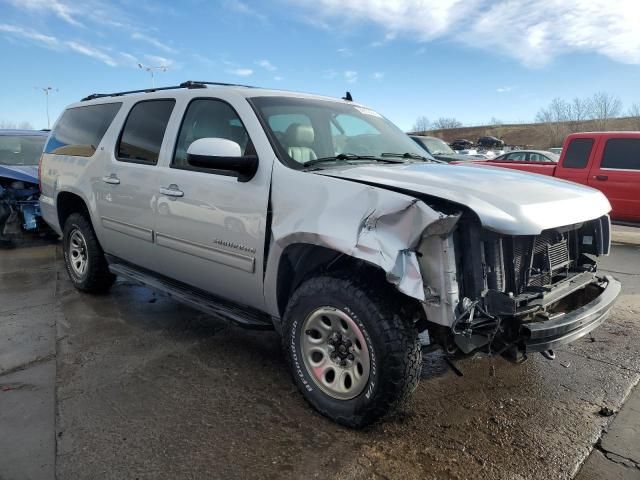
x=529 y=135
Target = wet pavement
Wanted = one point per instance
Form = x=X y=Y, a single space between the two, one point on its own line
x=148 y=388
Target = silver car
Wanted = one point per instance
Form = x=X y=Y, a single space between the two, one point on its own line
x=319 y=218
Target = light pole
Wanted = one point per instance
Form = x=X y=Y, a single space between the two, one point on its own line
x=46 y=91
x=150 y=69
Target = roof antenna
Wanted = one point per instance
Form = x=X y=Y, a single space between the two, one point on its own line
x=348 y=97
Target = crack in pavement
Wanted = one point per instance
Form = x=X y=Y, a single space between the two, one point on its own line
x=29 y=364
x=616 y=458
x=605 y=362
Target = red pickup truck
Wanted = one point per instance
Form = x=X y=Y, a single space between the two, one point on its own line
x=608 y=161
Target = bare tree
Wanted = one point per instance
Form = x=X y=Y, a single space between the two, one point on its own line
x=604 y=107
x=444 y=123
x=554 y=119
x=579 y=111
x=634 y=115
x=422 y=124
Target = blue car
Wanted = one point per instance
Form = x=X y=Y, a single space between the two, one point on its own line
x=20 y=152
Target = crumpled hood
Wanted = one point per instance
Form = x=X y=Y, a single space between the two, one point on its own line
x=506 y=201
x=24 y=173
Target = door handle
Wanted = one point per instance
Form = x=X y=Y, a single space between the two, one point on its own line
x=602 y=178
x=172 y=191
x=111 y=179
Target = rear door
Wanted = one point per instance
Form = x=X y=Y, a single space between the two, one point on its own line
x=617 y=174
x=127 y=190
x=578 y=154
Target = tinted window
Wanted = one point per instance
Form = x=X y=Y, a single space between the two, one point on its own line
x=206 y=118
x=143 y=131
x=21 y=149
x=622 y=153
x=578 y=152
x=80 y=130
x=520 y=156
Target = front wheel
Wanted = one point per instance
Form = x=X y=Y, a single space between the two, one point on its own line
x=353 y=354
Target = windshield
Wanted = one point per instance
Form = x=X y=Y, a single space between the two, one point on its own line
x=21 y=149
x=437 y=146
x=309 y=129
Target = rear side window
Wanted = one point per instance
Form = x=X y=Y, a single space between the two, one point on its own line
x=80 y=130
x=622 y=154
x=142 y=135
x=578 y=153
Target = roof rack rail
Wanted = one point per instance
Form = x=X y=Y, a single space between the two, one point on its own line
x=187 y=84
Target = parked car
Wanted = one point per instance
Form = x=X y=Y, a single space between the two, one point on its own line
x=352 y=243
x=490 y=143
x=556 y=150
x=608 y=161
x=461 y=144
x=528 y=156
x=20 y=151
x=437 y=148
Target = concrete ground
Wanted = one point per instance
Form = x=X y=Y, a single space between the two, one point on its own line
x=134 y=385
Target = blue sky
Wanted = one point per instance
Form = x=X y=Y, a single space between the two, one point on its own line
x=468 y=59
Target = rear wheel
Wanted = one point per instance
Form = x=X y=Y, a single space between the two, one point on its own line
x=353 y=355
x=83 y=256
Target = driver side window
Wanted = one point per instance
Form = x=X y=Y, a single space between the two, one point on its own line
x=209 y=118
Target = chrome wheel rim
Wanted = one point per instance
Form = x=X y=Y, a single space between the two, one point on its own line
x=78 y=258
x=335 y=353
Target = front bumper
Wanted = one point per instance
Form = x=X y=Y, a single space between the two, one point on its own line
x=541 y=336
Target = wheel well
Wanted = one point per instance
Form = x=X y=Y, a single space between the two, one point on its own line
x=69 y=203
x=302 y=261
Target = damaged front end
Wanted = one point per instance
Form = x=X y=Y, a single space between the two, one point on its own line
x=515 y=293
x=19 y=209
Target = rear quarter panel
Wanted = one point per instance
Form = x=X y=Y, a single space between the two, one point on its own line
x=77 y=175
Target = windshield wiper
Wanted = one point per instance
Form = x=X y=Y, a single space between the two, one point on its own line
x=407 y=155
x=347 y=156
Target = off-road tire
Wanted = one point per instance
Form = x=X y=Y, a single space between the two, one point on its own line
x=391 y=338
x=97 y=278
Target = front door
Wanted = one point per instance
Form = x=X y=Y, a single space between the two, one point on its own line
x=618 y=177
x=210 y=227
x=127 y=190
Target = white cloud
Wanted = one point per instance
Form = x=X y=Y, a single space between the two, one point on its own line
x=329 y=74
x=242 y=8
x=241 y=72
x=351 y=76
x=267 y=65
x=18 y=31
x=153 y=41
x=159 y=61
x=533 y=33
x=345 y=52
x=504 y=89
x=92 y=52
x=377 y=75
x=277 y=78
x=62 y=10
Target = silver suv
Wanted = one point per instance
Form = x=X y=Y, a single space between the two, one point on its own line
x=319 y=218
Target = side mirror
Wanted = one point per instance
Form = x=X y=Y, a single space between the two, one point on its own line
x=224 y=155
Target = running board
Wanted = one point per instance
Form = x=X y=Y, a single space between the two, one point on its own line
x=241 y=316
